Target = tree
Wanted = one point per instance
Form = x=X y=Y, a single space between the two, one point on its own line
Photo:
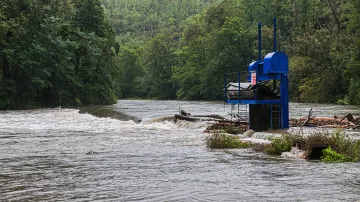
x=45 y=55
x=159 y=58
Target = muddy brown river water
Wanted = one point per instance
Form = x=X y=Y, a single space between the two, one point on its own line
x=64 y=155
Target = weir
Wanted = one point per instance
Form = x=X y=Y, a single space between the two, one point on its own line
x=265 y=92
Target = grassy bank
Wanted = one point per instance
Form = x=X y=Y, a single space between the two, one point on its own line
x=328 y=147
x=220 y=140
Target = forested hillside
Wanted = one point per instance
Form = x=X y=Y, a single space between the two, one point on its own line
x=180 y=49
x=94 y=51
x=150 y=33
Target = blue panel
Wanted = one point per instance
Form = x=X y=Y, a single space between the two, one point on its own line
x=276 y=62
x=252 y=102
x=254 y=66
x=269 y=77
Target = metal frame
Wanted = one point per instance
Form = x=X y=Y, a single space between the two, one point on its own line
x=284 y=87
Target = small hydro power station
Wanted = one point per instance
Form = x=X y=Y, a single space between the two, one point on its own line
x=265 y=92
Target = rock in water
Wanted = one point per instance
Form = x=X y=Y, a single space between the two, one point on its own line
x=249 y=133
x=295 y=152
x=91 y=152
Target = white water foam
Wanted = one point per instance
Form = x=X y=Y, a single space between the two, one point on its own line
x=256 y=140
x=69 y=120
x=265 y=135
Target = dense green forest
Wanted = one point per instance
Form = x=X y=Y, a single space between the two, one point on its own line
x=52 y=49
x=95 y=51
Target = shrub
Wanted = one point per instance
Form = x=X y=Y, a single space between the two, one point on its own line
x=346 y=146
x=329 y=155
x=278 y=146
x=222 y=141
x=340 y=147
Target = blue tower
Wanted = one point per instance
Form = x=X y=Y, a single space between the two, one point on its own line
x=266 y=89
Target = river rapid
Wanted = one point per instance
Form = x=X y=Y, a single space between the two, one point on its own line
x=64 y=155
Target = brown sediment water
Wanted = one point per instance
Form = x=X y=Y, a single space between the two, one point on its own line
x=64 y=155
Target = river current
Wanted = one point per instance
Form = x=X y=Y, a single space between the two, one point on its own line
x=64 y=155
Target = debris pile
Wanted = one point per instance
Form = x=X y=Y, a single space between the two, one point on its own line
x=345 y=122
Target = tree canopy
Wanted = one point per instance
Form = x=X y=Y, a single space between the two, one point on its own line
x=95 y=51
x=190 y=45
x=52 y=50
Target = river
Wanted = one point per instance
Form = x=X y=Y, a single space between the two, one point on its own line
x=64 y=155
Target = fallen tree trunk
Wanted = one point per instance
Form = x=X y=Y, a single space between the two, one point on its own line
x=219 y=121
x=215 y=116
x=190 y=118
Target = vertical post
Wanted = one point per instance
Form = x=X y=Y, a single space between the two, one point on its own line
x=285 y=101
x=238 y=114
x=225 y=88
x=239 y=84
x=259 y=41
x=274 y=34
x=271 y=118
x=247 y=115
x=274 y=81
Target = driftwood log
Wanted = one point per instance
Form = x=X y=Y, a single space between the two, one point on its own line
x=308 y=118
x=191 y=118
x=215 y=116
x=183 y=115
x=346 y=122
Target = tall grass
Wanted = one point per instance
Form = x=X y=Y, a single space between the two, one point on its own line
x=278 y=146
x=220 y=140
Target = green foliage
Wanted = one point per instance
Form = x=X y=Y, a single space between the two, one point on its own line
x=354 y=93
x=7 y=94
x=204 y=39
x=159 y=59
x=233 y=130
x=46 y=54
x=222 y=141
x=331 y=156
x=130 y=71
x=278 y=146
x=346 y=146
x=91 y=51
x=143 y=19
x=340 y=147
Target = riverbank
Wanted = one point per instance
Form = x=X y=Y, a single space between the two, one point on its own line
x=320 y=145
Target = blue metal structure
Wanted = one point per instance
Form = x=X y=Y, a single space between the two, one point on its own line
x=266 y=112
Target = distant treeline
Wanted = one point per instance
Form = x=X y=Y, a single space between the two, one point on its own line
x=94 y=51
